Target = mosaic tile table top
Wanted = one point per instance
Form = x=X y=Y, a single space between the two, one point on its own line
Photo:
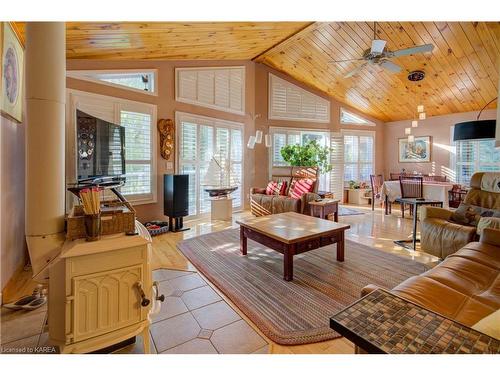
x=382 y=322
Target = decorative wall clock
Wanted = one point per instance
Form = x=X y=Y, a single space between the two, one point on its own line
x=12 y=74
x=167 y=138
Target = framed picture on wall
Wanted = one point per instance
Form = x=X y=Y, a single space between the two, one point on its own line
x=12 y=73
x=418 y=151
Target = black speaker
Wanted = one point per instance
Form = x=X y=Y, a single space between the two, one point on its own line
x=176 y=199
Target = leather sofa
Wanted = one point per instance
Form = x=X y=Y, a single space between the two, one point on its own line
x=262 y=204
x=440 y=236
x=464 y=287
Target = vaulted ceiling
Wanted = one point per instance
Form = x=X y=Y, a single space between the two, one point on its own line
x=462 y=71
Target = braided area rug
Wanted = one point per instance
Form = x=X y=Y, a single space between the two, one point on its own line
x=295 y=312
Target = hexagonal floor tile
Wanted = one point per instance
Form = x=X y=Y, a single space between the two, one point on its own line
x=174 y=331
x=200 y=297
x=196 y=346
x=237 y=338
x=216 y=315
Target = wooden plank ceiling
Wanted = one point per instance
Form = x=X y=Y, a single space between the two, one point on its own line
x=173 y=40
x=461 y=73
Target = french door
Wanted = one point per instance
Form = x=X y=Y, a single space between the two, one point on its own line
x=199 y=139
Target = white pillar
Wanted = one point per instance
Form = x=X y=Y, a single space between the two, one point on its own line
x=45 y=140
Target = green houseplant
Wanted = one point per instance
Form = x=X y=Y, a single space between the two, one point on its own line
x=311 y=154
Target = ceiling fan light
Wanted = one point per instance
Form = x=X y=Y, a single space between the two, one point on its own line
x=420 y=108
x=414 y=124
x=411 y=138
x=407 y=131
x=422 y=116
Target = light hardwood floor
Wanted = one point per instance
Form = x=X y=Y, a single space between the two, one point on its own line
x=372 y=228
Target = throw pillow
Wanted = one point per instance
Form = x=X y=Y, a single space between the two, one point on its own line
x=487 y=222
x=300 y=187
x=276 y=188
x=468 y=214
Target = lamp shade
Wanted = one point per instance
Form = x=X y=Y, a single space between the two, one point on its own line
x=478 y=129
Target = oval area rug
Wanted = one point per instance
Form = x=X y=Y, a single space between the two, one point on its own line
x=296 y=312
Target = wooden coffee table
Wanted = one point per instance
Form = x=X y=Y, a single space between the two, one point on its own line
x=290 y=234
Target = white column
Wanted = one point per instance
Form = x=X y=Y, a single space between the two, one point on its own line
x=45 y=140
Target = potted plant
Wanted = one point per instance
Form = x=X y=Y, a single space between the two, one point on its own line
x=358 y=192
x=311 y=154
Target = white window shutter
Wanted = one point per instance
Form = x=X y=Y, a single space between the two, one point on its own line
x=337 y=161
x=187 y=84
x=218 y=88
x=291 y=102
x=98 y=108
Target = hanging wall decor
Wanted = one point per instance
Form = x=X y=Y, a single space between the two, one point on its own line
x=167 y=138
x=12 y=72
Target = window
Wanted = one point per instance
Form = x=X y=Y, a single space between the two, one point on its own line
x=138 y=119
x=143 y=81
x=200 y=138
x=290 y=102
x=219 y=88
x=349 y=118
x=359 y=155
x=473 y=156
x=289 y=136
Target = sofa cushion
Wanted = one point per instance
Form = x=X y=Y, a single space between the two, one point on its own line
x=276 y=188
x=300 y=186
x=468 y=214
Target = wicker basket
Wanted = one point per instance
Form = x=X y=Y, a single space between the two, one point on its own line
x=116 y=217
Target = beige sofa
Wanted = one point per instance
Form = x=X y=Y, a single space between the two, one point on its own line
x=440 y=236
x=262 y=204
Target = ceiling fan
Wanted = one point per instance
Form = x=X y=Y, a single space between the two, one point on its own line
x=379 y=55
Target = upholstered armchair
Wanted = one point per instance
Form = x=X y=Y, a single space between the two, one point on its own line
x=262 y=204
x=442 y=234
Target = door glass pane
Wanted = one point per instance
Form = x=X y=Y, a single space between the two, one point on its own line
x=237 y=194
x=351 y=148
x=190 y=170
x=236 y=145
x=279 y=141
x=206 y=143
x=350 y=172
x=188 y=141
x=222 y=146
x=204 y=197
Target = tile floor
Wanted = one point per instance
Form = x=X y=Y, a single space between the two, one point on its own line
x=193 y=319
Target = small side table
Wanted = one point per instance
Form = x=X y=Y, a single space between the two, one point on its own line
x=325 y=207
x=325 y=194
x=415 y=202
x=382 y=322
x=221 y=208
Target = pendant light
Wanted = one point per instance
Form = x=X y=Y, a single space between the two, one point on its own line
x=414 y=124
x=420 y=108
x=407 y=131
x=421 y=116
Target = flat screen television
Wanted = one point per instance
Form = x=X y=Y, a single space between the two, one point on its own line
x=100 y=148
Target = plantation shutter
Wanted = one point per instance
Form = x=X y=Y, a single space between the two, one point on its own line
x=219 y=88
x=138 y=153
x=102 y=109
x=291 y=102
x=337 y=161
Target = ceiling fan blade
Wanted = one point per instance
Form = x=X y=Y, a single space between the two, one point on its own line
x=378 y=46
x=341 y=61
x=389 y=65
x=355 y=70
x=412 y=50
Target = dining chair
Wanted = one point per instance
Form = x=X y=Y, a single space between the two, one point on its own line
x=376 y=182
x=411 y=187
x=394 y=176
x=428 y=178
x=456 y=196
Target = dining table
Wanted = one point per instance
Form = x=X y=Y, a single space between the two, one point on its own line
x=391 y=191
